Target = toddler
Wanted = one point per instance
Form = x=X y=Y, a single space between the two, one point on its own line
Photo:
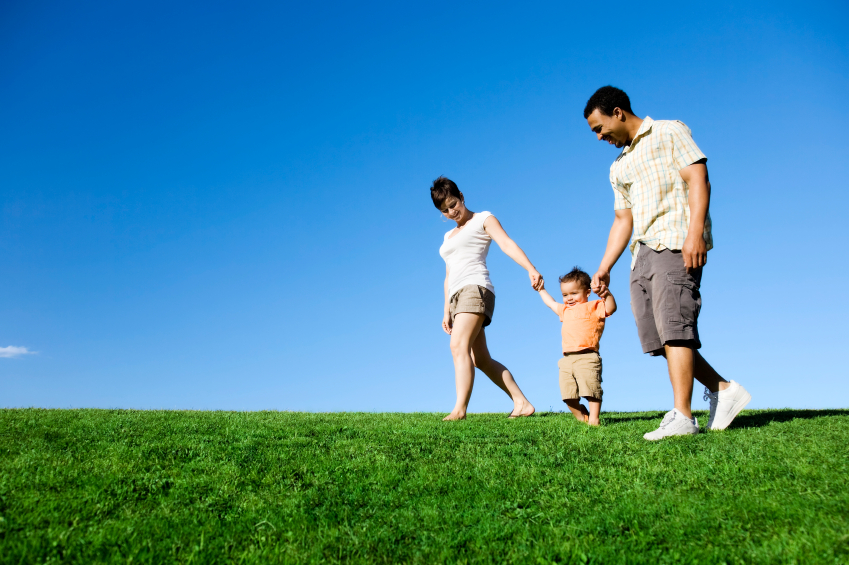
x=583 y=324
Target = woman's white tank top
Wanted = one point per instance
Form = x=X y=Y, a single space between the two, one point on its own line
x=465 y=255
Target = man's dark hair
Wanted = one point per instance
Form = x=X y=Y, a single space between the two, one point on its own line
x=578 y=276
x=441 y=189
x=606 y=99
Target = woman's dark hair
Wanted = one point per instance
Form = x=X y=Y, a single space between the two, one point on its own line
x=578 y=276
x=441 y=189
x=607 y=99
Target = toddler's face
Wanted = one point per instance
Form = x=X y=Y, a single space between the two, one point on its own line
x=574 y=293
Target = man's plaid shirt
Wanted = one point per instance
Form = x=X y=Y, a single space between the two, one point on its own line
x=645 y=179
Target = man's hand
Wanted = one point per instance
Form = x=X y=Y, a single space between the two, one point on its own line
x=600 y=282
x=536 y=279
x=694 y=252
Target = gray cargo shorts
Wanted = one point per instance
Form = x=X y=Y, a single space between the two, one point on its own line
x=665 y=299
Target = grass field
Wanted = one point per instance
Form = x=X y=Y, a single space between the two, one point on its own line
x=88 y=486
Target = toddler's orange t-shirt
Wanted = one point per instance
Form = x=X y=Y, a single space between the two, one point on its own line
x=583 y=325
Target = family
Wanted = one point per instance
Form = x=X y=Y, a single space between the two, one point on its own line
x=661 y=199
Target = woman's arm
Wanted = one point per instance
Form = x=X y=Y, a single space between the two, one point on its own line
x=493 y=227
x=446 y=313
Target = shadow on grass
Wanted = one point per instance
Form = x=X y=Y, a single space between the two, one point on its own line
x=748 y=419
x=758 y=419
x=617 y=419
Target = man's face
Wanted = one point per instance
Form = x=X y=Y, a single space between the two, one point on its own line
x=609 y=128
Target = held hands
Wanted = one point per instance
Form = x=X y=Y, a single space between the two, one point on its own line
x=600 y=282
x=536 y=279
x=446 y=323
x=694 y=252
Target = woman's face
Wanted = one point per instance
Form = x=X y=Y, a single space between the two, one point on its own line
x=453 y=208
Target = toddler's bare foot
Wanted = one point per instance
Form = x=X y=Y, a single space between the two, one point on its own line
x=455 y=415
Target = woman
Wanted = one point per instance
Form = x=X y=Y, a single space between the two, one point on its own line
x=470 y=296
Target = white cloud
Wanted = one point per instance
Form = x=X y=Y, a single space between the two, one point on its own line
x=14 y=351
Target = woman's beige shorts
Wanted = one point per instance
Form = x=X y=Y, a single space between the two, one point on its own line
x=473 y=299
x=580 y=375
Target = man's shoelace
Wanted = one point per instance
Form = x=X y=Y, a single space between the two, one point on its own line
x=713 y=397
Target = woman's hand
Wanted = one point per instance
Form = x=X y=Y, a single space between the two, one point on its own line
x=536 y=279
x=446 y=323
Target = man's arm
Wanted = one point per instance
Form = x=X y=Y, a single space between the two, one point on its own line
x=617 y=241
x=694 y=251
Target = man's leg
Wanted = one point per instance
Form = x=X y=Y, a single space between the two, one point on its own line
x=681 y=363
x=706 y=375
x=685 y=364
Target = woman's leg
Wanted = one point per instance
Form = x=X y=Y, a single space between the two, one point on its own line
x=500 y=375
x=465 y=329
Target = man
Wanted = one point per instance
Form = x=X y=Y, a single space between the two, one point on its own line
x=661 y=188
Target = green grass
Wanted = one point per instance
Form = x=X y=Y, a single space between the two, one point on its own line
x=88 y=486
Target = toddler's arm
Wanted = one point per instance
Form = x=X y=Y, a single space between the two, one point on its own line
x=609 y=302
x=548 y=300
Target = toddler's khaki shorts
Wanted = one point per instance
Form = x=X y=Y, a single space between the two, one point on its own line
x=473 y=299
x=580 y=375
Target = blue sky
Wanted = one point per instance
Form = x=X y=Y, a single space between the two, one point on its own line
x=222 y=206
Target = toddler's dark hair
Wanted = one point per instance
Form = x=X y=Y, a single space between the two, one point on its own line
x=441 y=189
x=578 y=276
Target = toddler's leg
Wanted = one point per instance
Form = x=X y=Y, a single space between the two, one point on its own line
x=578 y=410
x=595 y=410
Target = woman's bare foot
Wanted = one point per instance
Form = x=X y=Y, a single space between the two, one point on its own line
x=522 y=410
x=455 y=415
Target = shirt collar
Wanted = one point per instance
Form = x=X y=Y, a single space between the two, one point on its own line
x=645 y=129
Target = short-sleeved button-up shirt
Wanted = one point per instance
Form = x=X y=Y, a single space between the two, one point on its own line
x=645 y=179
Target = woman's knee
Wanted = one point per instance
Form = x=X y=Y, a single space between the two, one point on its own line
x=459 y=347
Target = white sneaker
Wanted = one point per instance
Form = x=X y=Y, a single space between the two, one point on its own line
x=674 y=423
x=726 y=404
